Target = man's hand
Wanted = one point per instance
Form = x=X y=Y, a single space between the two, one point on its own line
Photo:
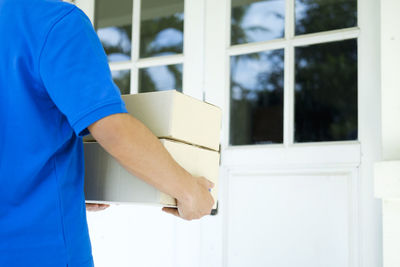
x=96 y=207
x=197 y=203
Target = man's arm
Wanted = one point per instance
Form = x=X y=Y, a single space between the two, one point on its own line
x=136 y=148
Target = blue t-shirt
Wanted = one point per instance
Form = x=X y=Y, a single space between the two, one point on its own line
x=54 y=83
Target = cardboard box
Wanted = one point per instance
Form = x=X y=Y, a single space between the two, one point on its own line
x=106 y=181
x=173 y=115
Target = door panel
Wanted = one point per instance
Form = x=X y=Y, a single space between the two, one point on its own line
x=289 y=220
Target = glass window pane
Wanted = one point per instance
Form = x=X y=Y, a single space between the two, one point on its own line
x=113 y=22
x=255 y=20
x=122 y=78
x=326 y=92
x=161 y=31
x=160 y=78
x=257 y=98
x=325 y=15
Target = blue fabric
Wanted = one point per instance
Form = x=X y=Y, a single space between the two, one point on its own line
x=54 y=83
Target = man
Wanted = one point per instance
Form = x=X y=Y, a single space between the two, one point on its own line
x=55 y=87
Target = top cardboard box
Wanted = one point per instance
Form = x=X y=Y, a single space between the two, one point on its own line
x=173 y=115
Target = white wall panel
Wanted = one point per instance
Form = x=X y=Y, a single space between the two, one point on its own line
x=390 y=41
x=289 y=220
x=391 y=232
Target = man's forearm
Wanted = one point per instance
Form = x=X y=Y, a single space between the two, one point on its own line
x=141 y=153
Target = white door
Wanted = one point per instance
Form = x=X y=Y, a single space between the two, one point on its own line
x=299 y=84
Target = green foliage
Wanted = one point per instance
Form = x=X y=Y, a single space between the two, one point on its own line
x=326 y=92
x=123 y=82
x=126 y=34
x=152 y=27
x=325 y=15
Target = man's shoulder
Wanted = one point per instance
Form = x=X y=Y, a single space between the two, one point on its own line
x=28 y=23
x=49 y=12
x=34 y=14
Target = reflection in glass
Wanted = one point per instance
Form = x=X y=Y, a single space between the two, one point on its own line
x=122 y=78
x=257 y=98
x=160 y=78
x=326 y=92
x=256 y=21
x=324 y=15
x=113 y=22
x=161 y=31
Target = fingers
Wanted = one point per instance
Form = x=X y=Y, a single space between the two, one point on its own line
x=173 y=211
x=96 y=207
x=198 y=205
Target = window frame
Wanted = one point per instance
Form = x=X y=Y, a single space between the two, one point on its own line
x=288 y=44
x=193 y=48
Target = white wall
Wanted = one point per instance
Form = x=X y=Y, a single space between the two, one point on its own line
x=387 y=176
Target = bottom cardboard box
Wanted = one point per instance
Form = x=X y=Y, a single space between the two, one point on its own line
x=106 y=181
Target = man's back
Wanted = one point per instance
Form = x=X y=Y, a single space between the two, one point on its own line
x=54 y=82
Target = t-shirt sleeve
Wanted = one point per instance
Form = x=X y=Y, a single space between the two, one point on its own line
x=75 y=72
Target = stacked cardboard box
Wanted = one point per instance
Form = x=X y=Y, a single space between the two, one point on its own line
x=188 y=128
